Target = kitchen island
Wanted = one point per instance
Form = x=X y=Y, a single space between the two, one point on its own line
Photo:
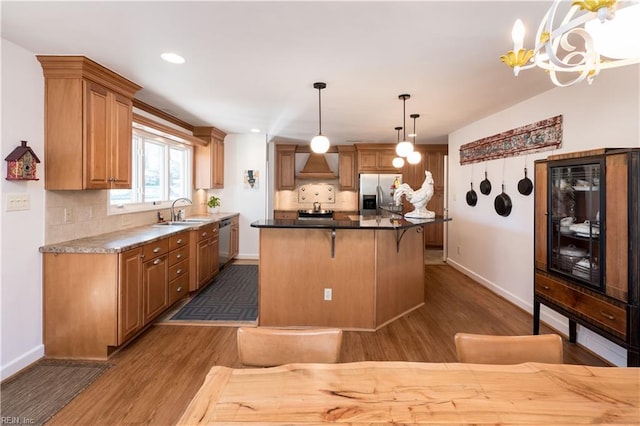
x=357 y=274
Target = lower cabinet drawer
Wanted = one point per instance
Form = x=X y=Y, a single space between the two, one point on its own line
x=178 y=288
x=178 y=255
x=598 y=311
x=179 y=269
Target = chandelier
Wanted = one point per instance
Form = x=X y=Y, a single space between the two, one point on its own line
x=594 y=35
x=320 y=143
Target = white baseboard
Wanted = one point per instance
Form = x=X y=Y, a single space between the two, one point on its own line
x=597 y=344
x=23 y=361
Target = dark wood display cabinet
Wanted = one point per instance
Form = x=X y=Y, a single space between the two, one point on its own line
x=587 y=260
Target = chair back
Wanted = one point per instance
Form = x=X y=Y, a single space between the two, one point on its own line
x=267 y=347
x=489 y=349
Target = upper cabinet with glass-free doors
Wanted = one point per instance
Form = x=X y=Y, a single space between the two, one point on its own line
x=88 y=125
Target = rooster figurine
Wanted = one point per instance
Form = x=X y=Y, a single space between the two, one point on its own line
x=419 y=198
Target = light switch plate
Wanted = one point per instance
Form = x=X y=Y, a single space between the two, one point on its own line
x=16 y=202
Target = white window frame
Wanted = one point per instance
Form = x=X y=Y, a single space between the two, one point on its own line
x=137 y=176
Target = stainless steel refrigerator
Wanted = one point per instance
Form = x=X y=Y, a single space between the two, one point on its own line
x=376 y=193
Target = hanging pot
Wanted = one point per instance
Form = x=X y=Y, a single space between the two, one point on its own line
x=502 y=203
x=525 y=186
x=472 y=197
x=485 y=185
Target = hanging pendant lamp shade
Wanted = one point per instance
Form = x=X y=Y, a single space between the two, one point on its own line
x=398 y=162
x=320 y=143
x=405 y=147
x=414 y=157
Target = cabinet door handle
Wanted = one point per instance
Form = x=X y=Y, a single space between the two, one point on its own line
x=157 y=261
x=204 y=234
x=546 y=287
x=179 y=271
x=607 y=316
x=179 y=289
x=157 y=249
x=179 y=241
x=178 y=256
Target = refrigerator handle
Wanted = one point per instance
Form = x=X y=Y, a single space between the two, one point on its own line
x=379 y=200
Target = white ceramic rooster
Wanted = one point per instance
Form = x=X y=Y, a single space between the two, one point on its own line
x=419 y=198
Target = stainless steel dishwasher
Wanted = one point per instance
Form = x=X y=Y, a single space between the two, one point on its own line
x=224 y=241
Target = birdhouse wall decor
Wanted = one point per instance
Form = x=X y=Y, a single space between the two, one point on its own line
x=22 y=163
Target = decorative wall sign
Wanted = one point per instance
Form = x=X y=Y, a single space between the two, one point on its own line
x=251 y=179
x=540 y=136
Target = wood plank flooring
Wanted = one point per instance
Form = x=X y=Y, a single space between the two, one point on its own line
x=155 y=377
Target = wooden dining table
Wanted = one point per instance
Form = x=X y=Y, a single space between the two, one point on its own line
x=416 y=392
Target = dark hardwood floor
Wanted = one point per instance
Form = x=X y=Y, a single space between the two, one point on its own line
x=154 y=378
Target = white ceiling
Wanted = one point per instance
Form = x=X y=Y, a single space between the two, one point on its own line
x=253 y=64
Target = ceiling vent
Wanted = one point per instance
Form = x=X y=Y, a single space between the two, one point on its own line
x=316 y=167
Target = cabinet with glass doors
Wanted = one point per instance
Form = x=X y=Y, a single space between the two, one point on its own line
x=587 y=243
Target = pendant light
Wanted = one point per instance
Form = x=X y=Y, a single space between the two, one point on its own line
x=405 y=147
x=415 y=156
x=319 y=143
x=398 y=162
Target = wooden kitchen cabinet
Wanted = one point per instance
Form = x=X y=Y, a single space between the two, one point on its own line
x=96 y=302
x=179 y=266
x=587 y=243
x=285 y=167
x=209 y=158
x=432 y=160
x=285 y=214
x=155 y=278
x=376 y=158
x=130 y=295
x=347 y=172
x=234 y=243
x=204 y=259
x=88 y=125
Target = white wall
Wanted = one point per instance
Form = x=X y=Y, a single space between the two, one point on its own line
x=498 y=251
x=245 y=152
x=21 y=232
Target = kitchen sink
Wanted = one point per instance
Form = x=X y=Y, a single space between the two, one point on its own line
x=186 y=222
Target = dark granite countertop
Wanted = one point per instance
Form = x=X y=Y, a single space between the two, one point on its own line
x=354 y=222
x=119 y=241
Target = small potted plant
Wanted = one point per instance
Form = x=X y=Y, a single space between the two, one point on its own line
x=213 y=204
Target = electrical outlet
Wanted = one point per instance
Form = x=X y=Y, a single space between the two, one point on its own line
x=68 y=215
x=328 y=294
x=17 y=202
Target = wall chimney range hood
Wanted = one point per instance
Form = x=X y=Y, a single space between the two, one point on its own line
x=316 y=167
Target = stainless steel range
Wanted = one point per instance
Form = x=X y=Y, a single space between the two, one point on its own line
x=315 y=214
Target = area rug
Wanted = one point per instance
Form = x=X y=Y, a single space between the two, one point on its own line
x=38 y=393
x=231 y=297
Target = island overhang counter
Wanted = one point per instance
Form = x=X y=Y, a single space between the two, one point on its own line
x=357 y=274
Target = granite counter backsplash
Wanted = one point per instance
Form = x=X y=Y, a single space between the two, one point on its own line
x=116 y=242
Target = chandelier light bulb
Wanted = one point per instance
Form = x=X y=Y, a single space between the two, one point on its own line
x=397 y=162
x=517 y=35
x=320 y=144
x=404 y=148
x=414 y=157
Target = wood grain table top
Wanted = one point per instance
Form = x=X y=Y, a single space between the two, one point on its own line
x=411 y=393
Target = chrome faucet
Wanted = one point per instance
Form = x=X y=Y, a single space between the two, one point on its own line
x=175 y=217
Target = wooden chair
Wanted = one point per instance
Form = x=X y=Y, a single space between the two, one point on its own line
x=267 y=347
x=489 y=349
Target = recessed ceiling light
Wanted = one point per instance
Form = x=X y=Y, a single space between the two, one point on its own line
x=174 y=58
x=255 y=130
